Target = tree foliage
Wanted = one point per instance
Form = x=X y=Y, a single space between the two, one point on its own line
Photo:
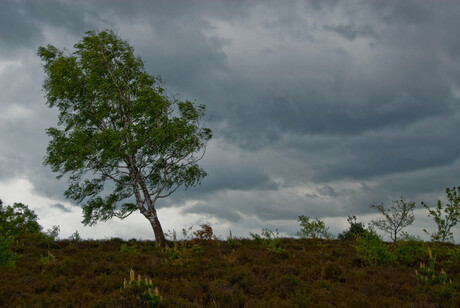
x=122 y=140
x=15 y=221
x=313 y=229
x=18 y=220
x=445 y=217
x=396 y=218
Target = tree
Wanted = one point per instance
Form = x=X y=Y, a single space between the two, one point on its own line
x=15 y=221
x=313 y=229
x=123 y=142
x=18 y=219
x=451 y=215
x=396 y=218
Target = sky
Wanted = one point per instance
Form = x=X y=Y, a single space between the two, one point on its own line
x=318 y=108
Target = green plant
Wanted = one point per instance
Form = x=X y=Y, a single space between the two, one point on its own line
x=232 y=240
x=53 y=232
x=150 y=295
x=46 y=261
x=18 y=219
x=313 y=229
x=128 y=249
x=269 y=239
x=75 y=236
x=7 y=255
x=372 y=250
x=454 y=255
x=409 y=249
x=445 y=217
x=180 y=255
x=117 y=127
x=396 y=218
x=427 y=273
x=355 y=228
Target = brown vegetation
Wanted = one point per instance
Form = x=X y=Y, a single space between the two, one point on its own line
x=233 y=273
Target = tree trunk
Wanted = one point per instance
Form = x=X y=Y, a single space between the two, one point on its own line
x=157 y=230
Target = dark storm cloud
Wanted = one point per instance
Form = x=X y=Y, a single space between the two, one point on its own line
x=23 y=22
x=318 y=108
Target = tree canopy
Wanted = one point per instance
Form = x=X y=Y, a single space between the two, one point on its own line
x=122 y=140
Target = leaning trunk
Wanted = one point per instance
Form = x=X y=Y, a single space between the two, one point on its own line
x=157 y=230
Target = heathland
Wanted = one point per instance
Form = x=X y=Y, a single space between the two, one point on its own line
x=205 y=271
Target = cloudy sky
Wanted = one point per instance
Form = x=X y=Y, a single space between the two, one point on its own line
x=318 y=108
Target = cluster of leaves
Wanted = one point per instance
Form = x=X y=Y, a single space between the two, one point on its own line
x=268 y=239
x=313 y=229
x=15 y=221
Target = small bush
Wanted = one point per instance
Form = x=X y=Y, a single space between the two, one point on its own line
x=75 y=236
x=269 y=239
x=53 y=232
x=7 y=256
x=410 y=250
x=372 y=250
x=356 y=228
x=454 y=255
x=128 y=249
x=143 y=286
x=204 y=234
x=313 y=229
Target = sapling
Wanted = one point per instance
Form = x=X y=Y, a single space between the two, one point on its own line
x=313 y=229
x=445 y=217
x=396 y=218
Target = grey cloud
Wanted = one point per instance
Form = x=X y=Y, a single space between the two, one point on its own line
x=61 y=207
x=23 y=22
x=351 y=31
x=319 y=108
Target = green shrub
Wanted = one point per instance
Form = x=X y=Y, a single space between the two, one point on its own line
x=127 y=249
x=269 y=239
x=144 y=286
x=7 y=256
x=372 y=250
x=313 y=229
x=75 y=236
x=427 y=273
x=356 y=228
x=410 y=250
x=454 y=255
x=53 y=232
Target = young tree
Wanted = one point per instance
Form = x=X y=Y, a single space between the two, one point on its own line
x=451 y=215
x=18 y=220
x=396 y=218
x=122 y=140
x=313 y=229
